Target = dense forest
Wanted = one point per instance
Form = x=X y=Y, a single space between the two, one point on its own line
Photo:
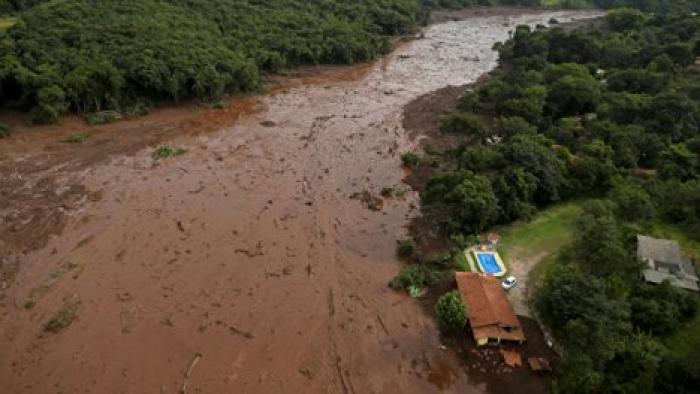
x=87 y=56
x=608 y=115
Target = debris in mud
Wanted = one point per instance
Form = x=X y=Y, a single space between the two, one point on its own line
x=244 y=334
x=124 y=297
x=268 y=123
x=371 y=201
x=306 y=373
x=193 y=364
x=62 y=319
x=258 y=251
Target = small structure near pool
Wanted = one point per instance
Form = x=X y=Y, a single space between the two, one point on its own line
x=491 y=317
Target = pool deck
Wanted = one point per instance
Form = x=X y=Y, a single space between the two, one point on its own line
x=470 y=259
x=496 y=259
x=475 y=266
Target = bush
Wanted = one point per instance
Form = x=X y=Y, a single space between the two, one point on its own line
x=416 y=275
x=165 y=151
x=139 y=109
x=62 y=319
x=102 y=117
x=387 y=191
x=451 y=312
x=464 y=123
x=4 y=130
x=410 y=160
x=406 y=247
x=76 y=138
x=469 y=102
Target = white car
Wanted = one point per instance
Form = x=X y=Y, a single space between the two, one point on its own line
x=509 y=282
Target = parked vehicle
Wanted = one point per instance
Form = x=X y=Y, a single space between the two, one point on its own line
x=509 y=282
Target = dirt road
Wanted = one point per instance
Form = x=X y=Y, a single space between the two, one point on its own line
x=245 y=265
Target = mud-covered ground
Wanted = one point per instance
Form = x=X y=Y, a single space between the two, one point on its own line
x=248 y=264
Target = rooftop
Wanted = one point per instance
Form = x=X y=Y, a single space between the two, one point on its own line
x=490 y=313
x=661 y=250
x=666 y=262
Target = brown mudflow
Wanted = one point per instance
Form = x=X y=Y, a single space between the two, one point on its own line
x=244 y=265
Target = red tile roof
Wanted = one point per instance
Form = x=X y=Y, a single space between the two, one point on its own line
x=490 y=313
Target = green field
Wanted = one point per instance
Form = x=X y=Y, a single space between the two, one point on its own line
x=543 y=236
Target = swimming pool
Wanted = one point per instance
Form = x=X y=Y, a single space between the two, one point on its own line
x=490 y=263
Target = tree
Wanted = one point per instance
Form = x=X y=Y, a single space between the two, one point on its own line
x=464 y=123
x=624 y=19
x=468 y=198
x=573 y=90
x=451 y=312
x=511 y=126
x=675 y=115
x=659 y=309
x=598 y=243
x=536 y=156
x=678 y=162
x=632 y=201
x=515 y=188
x=525 y=102
x=579 y=311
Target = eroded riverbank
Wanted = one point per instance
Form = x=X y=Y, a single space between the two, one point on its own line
x=248 y=254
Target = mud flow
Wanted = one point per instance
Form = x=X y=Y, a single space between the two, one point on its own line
x=258 y=261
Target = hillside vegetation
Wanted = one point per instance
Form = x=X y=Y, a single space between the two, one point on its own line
x=88 y=56
x=609 y=114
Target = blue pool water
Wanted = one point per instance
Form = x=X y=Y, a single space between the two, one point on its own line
x=488 y=263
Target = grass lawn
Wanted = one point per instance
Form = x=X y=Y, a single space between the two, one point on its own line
x=546 y=233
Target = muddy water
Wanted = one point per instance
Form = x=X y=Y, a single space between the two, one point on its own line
x=251 y=263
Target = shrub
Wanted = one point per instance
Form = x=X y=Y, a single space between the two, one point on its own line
x=165 y=151
x=463 y=123
x=440 y=260
x=416 y=275
x=62 y=319
x=469 y=102
x=76 y=138
x=4 y=130
x=410 y=160
x=406 y=247
x=451 y=312
x=141 y=108
x=102 y=117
